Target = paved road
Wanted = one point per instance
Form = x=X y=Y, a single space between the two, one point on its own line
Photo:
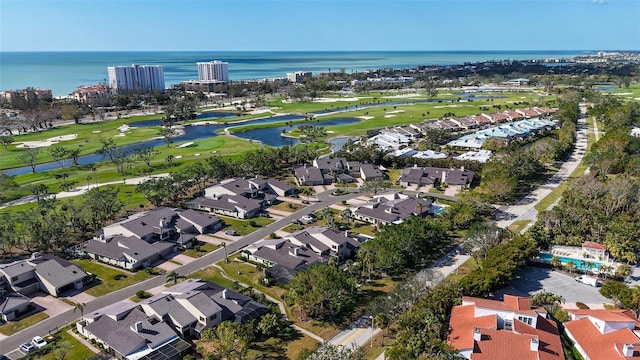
x=360 y=332
x=525 y=208
x=53 y=323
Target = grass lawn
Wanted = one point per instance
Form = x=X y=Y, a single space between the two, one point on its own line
x=107 y=274
x=13 y=327
x=293 y=228
x=77 y=350
x=287 y=206
x=288 y=344
x=212 y=274
x=518 y=225
x=243 y=227
x=204 y=249
x=364 y=228
x=464 y=269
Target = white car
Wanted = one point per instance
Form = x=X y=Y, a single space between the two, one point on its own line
x=27 y=347
x=38 y=342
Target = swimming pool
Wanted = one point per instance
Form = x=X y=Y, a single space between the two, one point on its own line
x=579 y=265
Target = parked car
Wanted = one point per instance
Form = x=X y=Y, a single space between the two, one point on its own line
x=231 y=232
x=39 y=342
x=307 y=219
x=588 y=280
x=27 y=347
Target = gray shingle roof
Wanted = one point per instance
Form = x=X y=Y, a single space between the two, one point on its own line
x=120 y=337
x=166 y=305
x=282 y=255
x=16 y=269
x=198 y=218
x=370 y=171
x=57 y=274
x=119 y=246
x=309 y=173
x=150 y=222
x=12 y=301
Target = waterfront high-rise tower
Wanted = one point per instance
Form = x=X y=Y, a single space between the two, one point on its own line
x=136 y=78
x=213 y=70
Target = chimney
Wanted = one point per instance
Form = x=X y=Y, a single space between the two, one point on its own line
x=224 y=294
x=346 y=233
x=294 y=251
x=137 y=326
x=162 y=223
x=462 y=168
x=627 y=350
x=444 y=177
x=533 y=345
x=476 y=334
x=35 y=255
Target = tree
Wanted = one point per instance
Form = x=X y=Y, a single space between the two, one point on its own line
x=62 y=350
x=482 y=237
x=555 y=262
x=571 y=266
x=328 y=351
x=29 y=156
x=381 y=321
x=168 y=133
x=229 y=340
x=545 y=298
x=347 y=215
x=271 y=324
x=322 y=291
x=59 y=154
x=74 y=154
x=146 y=154
x=102 y=205
x=307 y=191
x=173 y=276
x=375 y=186
x=623 y=270
x=80 y=307
x=6 y=140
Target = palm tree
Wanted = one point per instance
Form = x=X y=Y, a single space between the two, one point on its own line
x=606 y=270
x=306 y=191
x=347 y=215
x=226 y=256
x=555 y=262
x=80 y=307
x=570 y=265
x=173 y=276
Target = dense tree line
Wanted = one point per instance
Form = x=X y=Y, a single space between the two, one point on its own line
x=54 y=225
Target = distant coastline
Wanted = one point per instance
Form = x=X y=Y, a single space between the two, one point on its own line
x=62 y=72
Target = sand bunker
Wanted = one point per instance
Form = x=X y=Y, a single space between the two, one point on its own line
x=178 y=157
x=365 y=117
x=445 y=106
x=395 y=111
x=389 y=116
x=185 y=145
x=47 y=142
x=124 y=128
x=623 y=94
x=401 y=96
x=261 y=111
x=196 y=154
x=330 y=100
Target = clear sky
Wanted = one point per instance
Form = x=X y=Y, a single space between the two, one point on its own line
x=307 y=25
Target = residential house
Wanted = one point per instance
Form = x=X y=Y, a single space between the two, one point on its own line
x=12 y=305
x=281 y=257
x=595 y=250
x=422 y=176
x=311 y=176
x=193 y=306
x=47 y=273
x=368 y=172
x=325 y=242
x=236 y=206
x=391 y=208
x=466 y=123
x=165 y=224
x=127 y=252
x=604 y=334
x=482 y=329
x=126 y=332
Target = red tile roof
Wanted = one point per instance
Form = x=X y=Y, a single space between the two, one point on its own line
x=550 y=346
x=517 y=304
x=597 y=345
x=605 y=315
x=503 y=345
x=462 y=324
x=593 y=245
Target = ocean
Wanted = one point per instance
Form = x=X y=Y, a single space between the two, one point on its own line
x=63 y=72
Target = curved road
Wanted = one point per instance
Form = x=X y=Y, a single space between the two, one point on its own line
x=10 y=343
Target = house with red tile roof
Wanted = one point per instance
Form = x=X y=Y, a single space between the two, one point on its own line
x=503 y=330
x=594 y=249
x=604 y=334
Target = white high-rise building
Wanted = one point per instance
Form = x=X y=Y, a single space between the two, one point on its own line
x=136 y=78
x=213 y=70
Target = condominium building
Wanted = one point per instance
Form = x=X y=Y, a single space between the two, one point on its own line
x=299 y=76
x=213 y=70
x=136 y=78
x=91 y=94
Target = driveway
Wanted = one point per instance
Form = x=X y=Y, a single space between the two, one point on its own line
x=536 y=279
x=51 y=305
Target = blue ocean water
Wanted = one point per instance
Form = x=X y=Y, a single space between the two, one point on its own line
x=63 y=72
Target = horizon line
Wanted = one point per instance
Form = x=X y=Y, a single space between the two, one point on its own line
x=303 y=51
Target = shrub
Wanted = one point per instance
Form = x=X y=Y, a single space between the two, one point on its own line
x=561 y=315
x=582 y=306
x=253 y=223
x=290 y=206
x=119 y=277
x=273 y=235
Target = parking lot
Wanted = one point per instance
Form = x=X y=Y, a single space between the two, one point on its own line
x=535 y=279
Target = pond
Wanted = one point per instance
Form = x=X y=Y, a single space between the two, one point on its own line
x=268 y=136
